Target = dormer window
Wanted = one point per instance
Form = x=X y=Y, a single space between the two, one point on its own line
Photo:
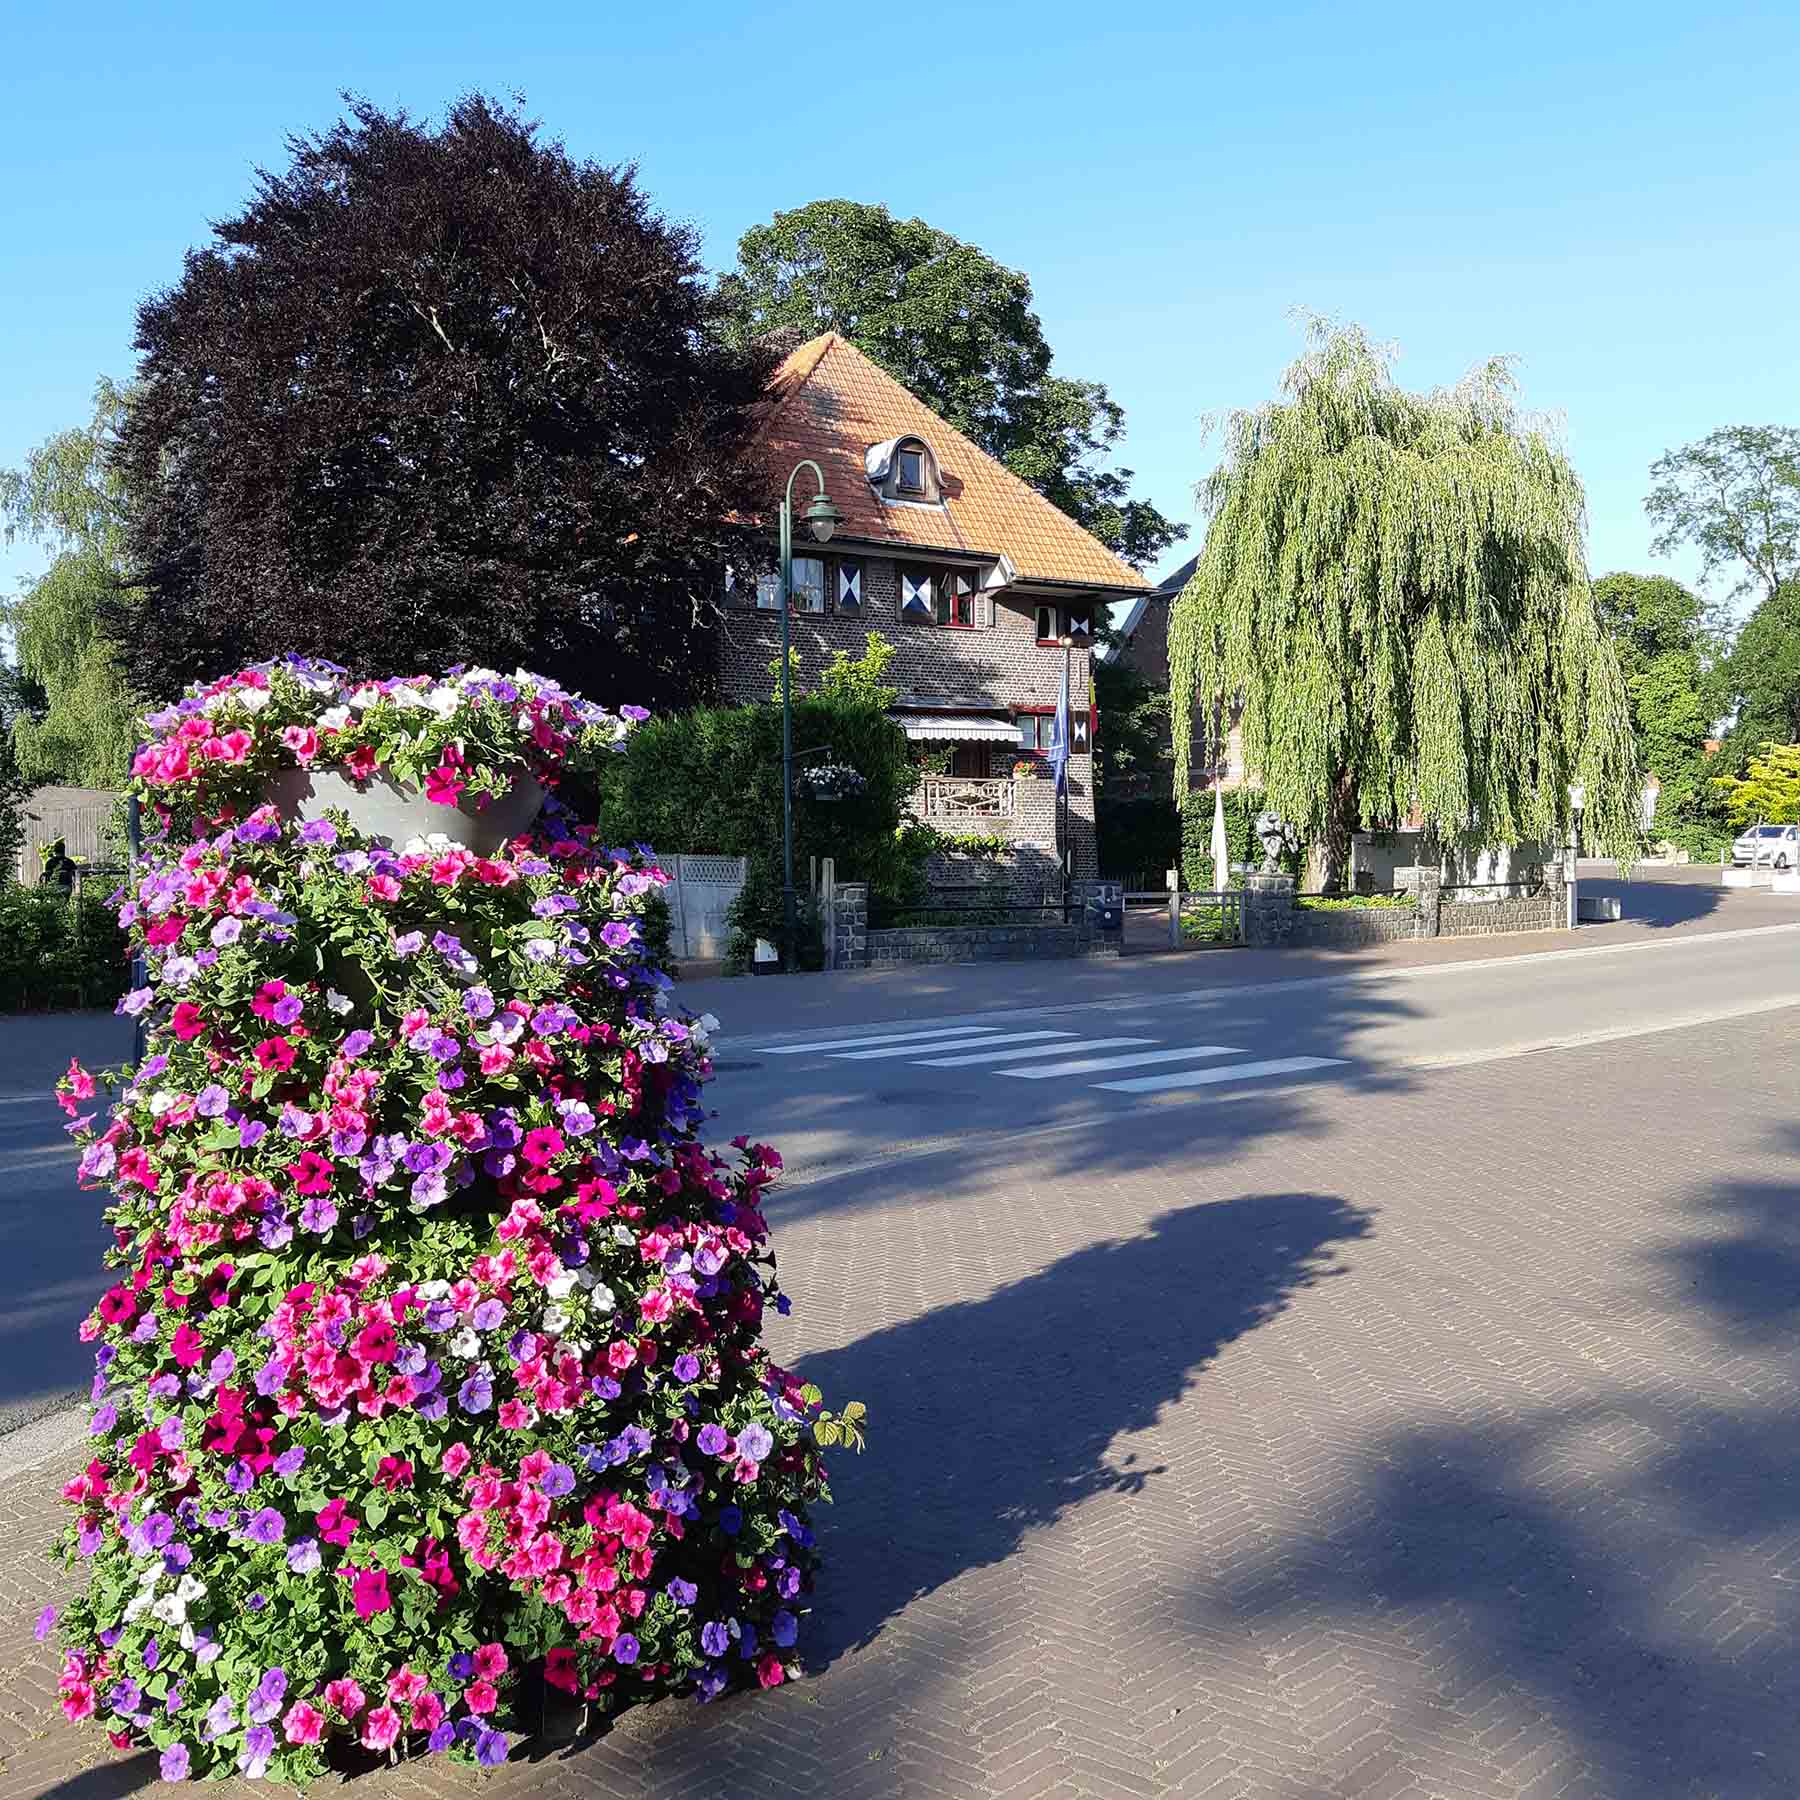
x=904 y=472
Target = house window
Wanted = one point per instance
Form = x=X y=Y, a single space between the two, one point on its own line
x=1037 y=731
x=768 y=592
x=912 y=471
x=1054 y=624
x=849 y=587
x=809 y=584
x=956 y=599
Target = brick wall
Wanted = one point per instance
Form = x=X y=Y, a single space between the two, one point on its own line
x=998 y=661
x=1351 y=929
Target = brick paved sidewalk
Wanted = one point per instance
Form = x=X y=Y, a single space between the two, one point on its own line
x=1444 y=1445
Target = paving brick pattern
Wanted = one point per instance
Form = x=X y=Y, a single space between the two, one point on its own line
x=1444 y=1445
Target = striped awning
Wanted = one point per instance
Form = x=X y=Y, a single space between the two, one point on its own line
x=958 y=728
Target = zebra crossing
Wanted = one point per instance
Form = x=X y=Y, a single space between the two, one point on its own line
x=1050 y=1054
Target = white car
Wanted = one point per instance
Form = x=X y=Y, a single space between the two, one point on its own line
x=1768 y=846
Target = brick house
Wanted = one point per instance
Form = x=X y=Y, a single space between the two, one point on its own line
x=1216 y=733
x=970 y=574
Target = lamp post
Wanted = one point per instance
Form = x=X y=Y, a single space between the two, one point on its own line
x=1062 y=799
x=1577 y=794
x=823 y=519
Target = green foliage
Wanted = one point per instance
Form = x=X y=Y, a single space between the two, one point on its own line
x=1394 y=583
x=1669 y=643
x=1735 y=495
x=79 y=730
x=958 y=329
x=1132 y=746
x=58 y=952
x=1139 y=837
x=1354 y=902
x=1769 y=793
x=14 y=790
x=709 y=782
x=1761 y=676
x=983 y=846
x=1241 y=807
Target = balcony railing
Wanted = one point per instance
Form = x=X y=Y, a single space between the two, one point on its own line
x=958 y=797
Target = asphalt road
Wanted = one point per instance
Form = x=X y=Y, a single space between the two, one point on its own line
x=1234 y=1044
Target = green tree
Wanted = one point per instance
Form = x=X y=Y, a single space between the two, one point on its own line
x=1769 y=792
x=1761 y=676
x=958 y=329
x=1735 y=495
x=77 y=723
x=1669 y=643
x=1394 y=584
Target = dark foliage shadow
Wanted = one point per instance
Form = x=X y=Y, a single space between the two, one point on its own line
x=1622 y=1568
x=1658 y=903
x=998 y=1415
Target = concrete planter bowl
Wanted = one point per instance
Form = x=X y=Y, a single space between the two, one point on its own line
x=385 y=809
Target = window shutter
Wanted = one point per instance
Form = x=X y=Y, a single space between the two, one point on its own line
x=849 y=586
x=915 y=595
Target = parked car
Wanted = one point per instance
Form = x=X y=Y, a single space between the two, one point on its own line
x=1770 y=846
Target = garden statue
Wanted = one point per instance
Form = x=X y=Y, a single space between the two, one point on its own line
x=432 y=1365
x=1276 y=838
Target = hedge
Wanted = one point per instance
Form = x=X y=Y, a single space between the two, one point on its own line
x=58 y=953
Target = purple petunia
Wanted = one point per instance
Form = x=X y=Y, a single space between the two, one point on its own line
x=557 y=1480
x=687 y=1367
x=755 y=1442
x=476 y=1394
x=266 y=1526
x=683 y=1593
x=357 y=1044
x=625 y=1648
x=46 y=1623
x=713 y=1441
x=173 y=1763
x=715 y=1640
x=211 y=1101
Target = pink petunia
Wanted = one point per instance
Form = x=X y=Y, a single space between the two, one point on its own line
x=303 y=1724
x=344 y=1697
x=275 y=1054
x=369 y=1593
x=481 y=1697
x=312 y=1173
x=490 y=1662
x=380 y=1728
x=443 y=785
x=303 y=740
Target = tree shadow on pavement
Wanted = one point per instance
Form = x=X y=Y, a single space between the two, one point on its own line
x=994 y=1417
x=1601 y=1593
x=1657 y=903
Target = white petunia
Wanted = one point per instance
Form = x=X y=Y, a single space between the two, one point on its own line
x=253 y=700
x=443 y=701
x=169 y=1610
x=559 y=1287
x=190 y=1588
x=334 y=718
x=555 y=1321
x=339 y=1003
x=603 y=1298
x=465 y=1343
x=435 y=1289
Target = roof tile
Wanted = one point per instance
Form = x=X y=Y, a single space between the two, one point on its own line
x=829 y=402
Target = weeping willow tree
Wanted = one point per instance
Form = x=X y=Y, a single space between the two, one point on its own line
x=1393 y=586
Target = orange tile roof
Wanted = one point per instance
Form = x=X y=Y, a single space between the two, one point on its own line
x=829 y=402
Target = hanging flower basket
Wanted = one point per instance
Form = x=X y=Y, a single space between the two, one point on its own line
x=830 y=781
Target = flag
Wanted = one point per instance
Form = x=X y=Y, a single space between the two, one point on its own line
x=1221 y=854
x=1059 y=741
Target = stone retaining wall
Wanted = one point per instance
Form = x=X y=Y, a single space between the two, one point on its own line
x=1352 y=928
x=855 y=946
x=1548 y=911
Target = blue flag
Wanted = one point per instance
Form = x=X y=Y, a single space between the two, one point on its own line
x=1059 y=741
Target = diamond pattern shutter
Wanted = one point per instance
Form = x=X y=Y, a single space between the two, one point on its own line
x=849 y=586
x=915 y=595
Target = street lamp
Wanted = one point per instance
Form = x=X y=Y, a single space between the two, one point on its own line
x=822 y=519
x=1577 y=794
x=1067 y=641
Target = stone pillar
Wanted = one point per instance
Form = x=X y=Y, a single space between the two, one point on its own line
x=1268 y=910
x=1429 y=891
x=850 y=926
x=1089 y=897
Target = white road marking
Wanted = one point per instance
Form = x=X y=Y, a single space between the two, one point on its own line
x=922 y=1038
x=1093 y=1064
x=999 y=1056
x=964 y=1041
x=1187 y=1078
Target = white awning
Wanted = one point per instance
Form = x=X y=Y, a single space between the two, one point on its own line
x=960 y=728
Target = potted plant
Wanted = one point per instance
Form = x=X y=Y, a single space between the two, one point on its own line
x=831 y=781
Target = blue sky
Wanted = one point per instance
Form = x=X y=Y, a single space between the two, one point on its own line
x=1606 y=191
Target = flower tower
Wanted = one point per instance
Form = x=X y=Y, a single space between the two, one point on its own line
x=431 y=1369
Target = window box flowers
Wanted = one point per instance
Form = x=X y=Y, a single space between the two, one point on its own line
x=432 y=1356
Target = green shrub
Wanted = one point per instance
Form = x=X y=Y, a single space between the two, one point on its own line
x=708 y=782
x=1241 y=807
x=58 y=952
x=1354 y=902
